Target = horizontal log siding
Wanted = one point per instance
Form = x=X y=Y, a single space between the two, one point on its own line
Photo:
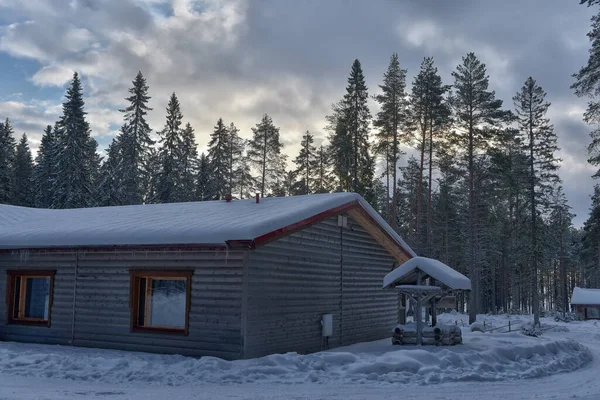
x=61 y=312
x=291 y=283
x=102 y=307
x=294 y=281
x=369 y=313
x=102 y=315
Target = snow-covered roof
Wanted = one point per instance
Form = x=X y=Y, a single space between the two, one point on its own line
x=208 y=222
x=582 y=296
x=406 y=274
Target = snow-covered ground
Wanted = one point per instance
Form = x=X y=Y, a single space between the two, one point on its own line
x=561 y=364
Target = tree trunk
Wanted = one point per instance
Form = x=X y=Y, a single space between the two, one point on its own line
x=394 y=216
x=534 y=273
x=420 y=190
x=471 y=222
x=429 y=190
x=264 y=167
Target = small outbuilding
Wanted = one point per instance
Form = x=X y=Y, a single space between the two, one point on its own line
x=586 y=302
x=231 y=279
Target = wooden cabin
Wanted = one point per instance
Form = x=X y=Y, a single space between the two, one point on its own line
x=586 y=302
x=231 y=279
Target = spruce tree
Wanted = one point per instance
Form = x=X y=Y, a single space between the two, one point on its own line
x=478 y=115
x=391 y=121
x=307 y=164
x=7 y=161
x=322 y=181
x=340 y=154
x=76 y=158
x=349 y=140
x=264 y=153
x=188 y=165
x=44 y=171
x=540 y=143
x=110 y=190
x=169 y=154
x=23 y=190
x=203 y=184
x=220 y=161
x=136 y=144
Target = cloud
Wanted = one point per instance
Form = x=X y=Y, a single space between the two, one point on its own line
x=52 y=75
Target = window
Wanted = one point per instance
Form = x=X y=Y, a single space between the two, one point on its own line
x=160 y=301
x=29 y=297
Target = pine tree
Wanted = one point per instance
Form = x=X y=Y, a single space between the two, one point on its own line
x=7 y=160
x=509 y=182
x=136 y=144
x=307 y=164
x=110 y=189
x=44 y=174
x=560 y=225
x=589 y=2
x=591 y=239
x=540 y=143
x=188 y=165
x=218 y=154
x=203 y=179
x=429 y=115
x=478 y=115
x=349 y=140
x=76 y=157
x=407 y=196
x=169 y=154
x=588 y=85
x=391 y=120
x=23 y=190
x=245 y=183
x=264 y=153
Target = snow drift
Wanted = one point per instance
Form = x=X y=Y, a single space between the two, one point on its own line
x=413 y=365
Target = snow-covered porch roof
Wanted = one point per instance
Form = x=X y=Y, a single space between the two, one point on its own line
x=406 y=274
x=585 y=297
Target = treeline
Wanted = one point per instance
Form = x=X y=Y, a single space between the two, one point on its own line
x=482 y=193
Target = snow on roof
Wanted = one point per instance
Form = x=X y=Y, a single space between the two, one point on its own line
x=434 y=268
x=584 y=296
x=207 y=222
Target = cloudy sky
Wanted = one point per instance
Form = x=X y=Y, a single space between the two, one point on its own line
x=238 y=59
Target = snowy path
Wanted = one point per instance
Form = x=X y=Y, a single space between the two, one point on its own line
x=581 y=384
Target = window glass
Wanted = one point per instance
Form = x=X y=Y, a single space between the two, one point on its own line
x=167 y=303
x=593 y=312
x=160 y=300
x=37 y=298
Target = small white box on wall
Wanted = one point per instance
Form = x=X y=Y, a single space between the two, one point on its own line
x=327 y=324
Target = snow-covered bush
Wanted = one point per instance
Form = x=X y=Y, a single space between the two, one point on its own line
x=530 y=330
x=477 y=327
x=568 y=317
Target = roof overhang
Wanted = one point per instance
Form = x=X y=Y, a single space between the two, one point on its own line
x=409 y=272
